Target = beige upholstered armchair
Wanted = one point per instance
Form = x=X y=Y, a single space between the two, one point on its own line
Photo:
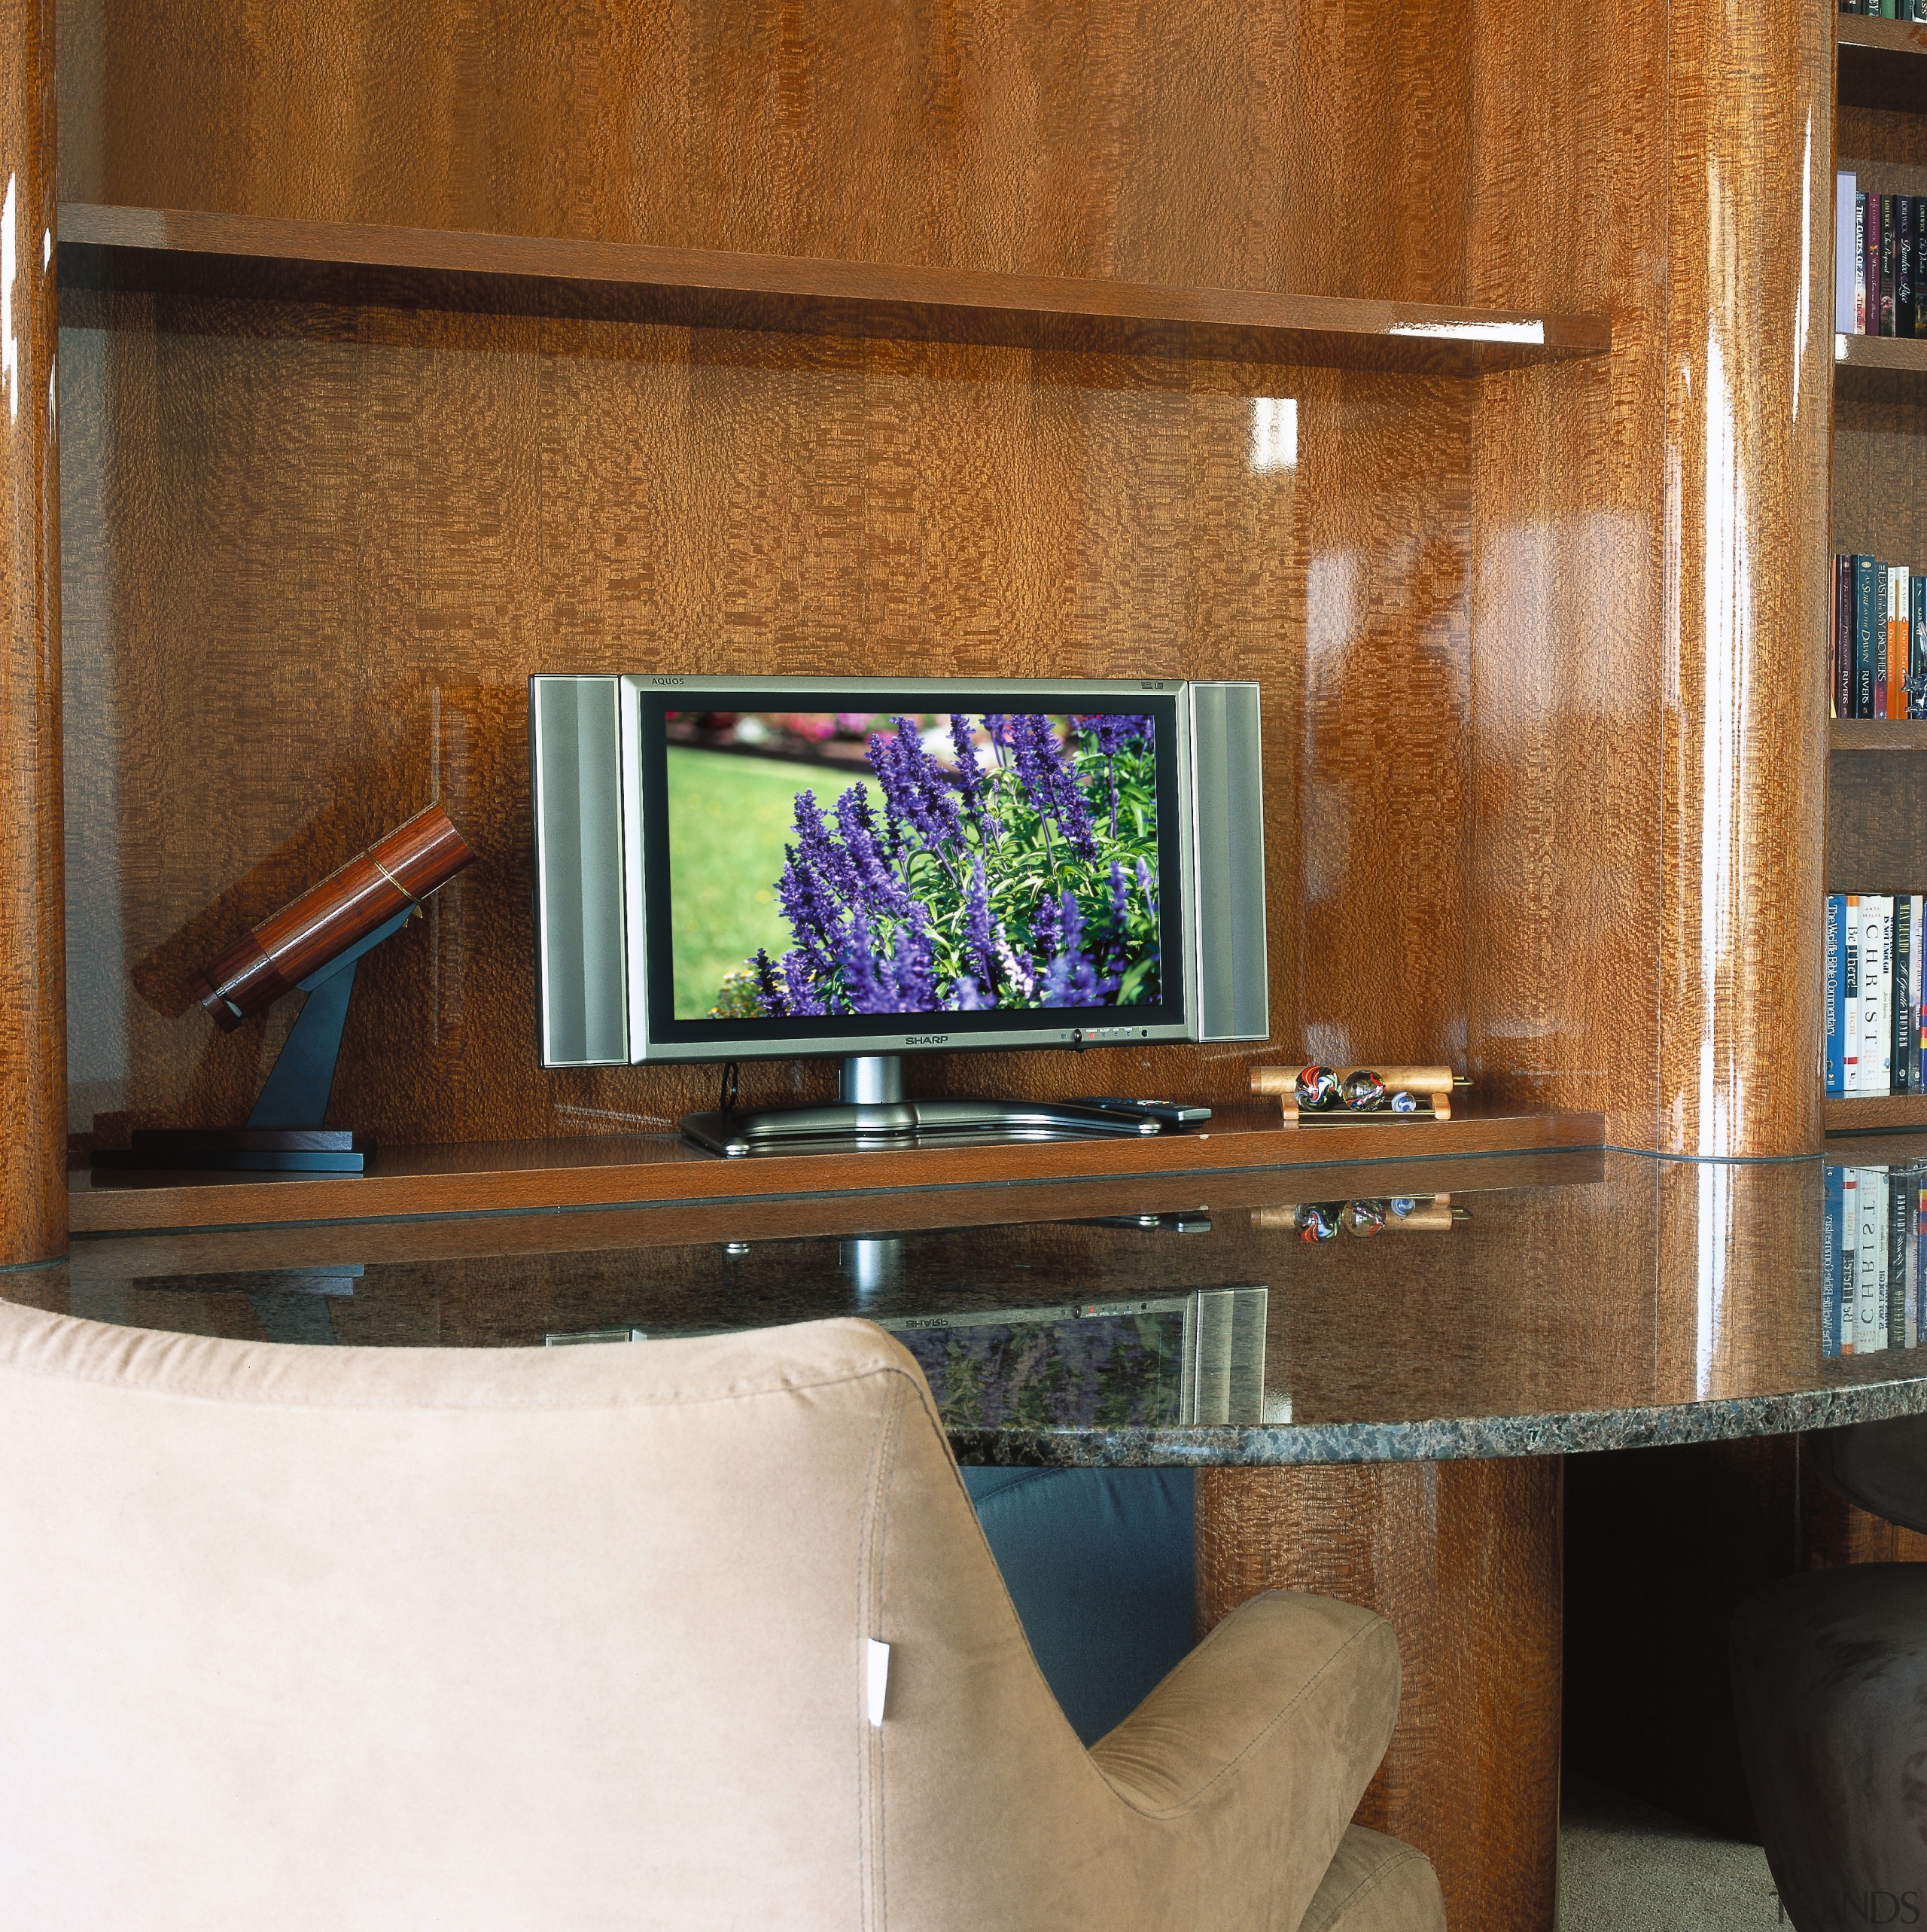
x=575 y=1638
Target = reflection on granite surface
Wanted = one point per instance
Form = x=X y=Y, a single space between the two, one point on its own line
x=1478 y=1307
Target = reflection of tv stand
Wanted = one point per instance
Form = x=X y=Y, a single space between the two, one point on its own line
x=872 y=1113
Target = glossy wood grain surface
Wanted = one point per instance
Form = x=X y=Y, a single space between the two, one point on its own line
x=486 y=1177
x=184 y=251
x=1748 y=395
x=1453 y=596
x=1463 y=1560
x=33 y=1041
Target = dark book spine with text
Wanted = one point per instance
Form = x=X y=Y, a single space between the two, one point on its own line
x=1887 y=211
x=1869 y=631
x=1904 y=264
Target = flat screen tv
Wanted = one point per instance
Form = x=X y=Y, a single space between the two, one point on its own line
x=735 y=868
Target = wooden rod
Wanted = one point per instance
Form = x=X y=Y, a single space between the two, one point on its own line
x=1411 y=1079
x=33 y=966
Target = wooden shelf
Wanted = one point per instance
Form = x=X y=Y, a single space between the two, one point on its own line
x=1876 y=1113
x=469 y=1178
x=262 y=257
x=1882 y=63
x=1877 y=734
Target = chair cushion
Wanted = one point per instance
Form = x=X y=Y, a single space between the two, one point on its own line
x=1099 y=1563
x=1376 y=1884
x=1830 y=1691
x=1880 y=1466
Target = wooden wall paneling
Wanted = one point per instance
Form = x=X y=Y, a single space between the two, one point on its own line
x=1179 y=144
x=1748 y=396
x=33 y=1053
x=1463 y=1559
x=1566 y=572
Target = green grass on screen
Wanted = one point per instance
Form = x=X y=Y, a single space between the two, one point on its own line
x=729 y=818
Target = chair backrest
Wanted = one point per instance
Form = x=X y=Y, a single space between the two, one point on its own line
x=520 y=1637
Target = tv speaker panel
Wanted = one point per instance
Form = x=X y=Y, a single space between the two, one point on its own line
x=575 y=753
x=1230 y=968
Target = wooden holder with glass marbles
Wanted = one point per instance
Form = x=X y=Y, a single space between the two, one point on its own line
x=1314 y=1096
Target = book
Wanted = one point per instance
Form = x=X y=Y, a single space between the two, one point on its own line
x=1887 y=265
x=1904 y=264
x=1916 y=650
x=1916 y=923
x=1847 y=197
x=1859 y=264
x=1850 y=992
x=1898 y=628
x=1876 y=968
x=1867 y=619
x=1836 y=987
x=1830 y=1261
x=1900 y=1000
x=1909 y=1219
x=1899 y=1213
x=1870 y=1311
x=1850 y=1264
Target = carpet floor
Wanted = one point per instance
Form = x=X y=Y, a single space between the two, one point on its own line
x=1624 y=1866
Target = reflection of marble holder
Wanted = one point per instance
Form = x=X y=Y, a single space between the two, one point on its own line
x=1431 y=1087
x=1428 y=1214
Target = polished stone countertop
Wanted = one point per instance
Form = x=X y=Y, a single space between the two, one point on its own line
x=1507 y=1305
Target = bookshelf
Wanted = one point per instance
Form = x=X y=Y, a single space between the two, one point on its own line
x=1877 y=780
x=195 y=252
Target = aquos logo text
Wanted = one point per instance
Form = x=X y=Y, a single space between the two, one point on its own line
x=668 y=681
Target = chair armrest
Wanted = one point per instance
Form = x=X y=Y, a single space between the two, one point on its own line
x=1286 y=1677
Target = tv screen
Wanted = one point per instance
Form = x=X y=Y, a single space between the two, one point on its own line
x=813 y=869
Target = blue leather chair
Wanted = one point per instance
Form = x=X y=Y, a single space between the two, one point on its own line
x=1098 y=1562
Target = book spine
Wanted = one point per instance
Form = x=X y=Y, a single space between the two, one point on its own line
x=1898 y=1204
x=1911 y=1235
x=1831 y=1250
x=1871 y=1298
x=1866 y=619
x=1900 y=1002
x=1916 y=648
x=1876 y=968
x=1859 y=264
x=1916 y=929
x=1883 y=240
x=1893 y=662
x=1847 y=194
x=1836 y=1022
x=1850 y=990
x=1849 y=1261
x=1904 y=264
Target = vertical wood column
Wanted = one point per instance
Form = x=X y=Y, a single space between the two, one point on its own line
x=33 y=1032
x=1463 y=1559
x=1748 y=406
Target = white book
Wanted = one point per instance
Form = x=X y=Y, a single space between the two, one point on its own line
x=1846 y=189
x=1876 y=944
x=1870 y=1311
x=1849 y=958
x=1849 y=1258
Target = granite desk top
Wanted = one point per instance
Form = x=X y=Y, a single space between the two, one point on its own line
x=1500 y=1306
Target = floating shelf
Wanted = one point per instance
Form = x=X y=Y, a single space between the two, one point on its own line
x=470 y=1178
x=1882 y=63
x=1877 y=734
x=264 y=257
x=1876 y=1113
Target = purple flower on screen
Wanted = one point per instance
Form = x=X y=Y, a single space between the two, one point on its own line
x=873 y=885
x=800 y=983
x=770 y=1001
x=977 y=923
x=913 y=966
x=1117 y=732
x=865 y=986
x=914 y=787
x=966 y=997
x=1071 y=979
x=816 y=849
x=811 y=909
x=1046 y=930
x=1120 y=897
x=1147 y=884
x=1017 y=973
x=1050 y=780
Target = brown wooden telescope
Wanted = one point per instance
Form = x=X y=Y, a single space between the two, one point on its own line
x=398 y=872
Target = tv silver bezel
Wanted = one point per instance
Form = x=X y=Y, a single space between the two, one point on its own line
x=1082 y=1026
